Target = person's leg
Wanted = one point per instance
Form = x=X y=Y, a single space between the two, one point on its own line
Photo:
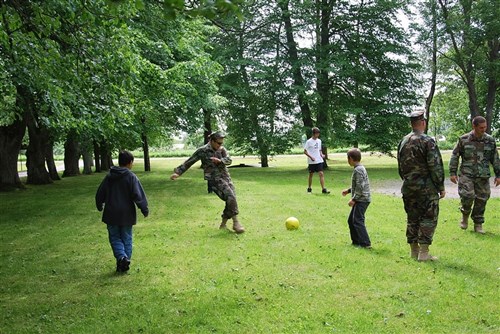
x=126 y=235
x=225 y=190
x=359 y=210
x=309 y=181
x=116 y=241
x=412 y=218
x=483 y=192
x=427 y=228
x=466 y=193
x=352 y=230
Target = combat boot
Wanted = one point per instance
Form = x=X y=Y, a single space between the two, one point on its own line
x=423 y=254
x=223 y=224
x=464 y=223
x=478 y=228
x=237 y=226
x=415 y=248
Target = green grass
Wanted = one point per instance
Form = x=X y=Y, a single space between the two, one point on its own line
x=57 y=270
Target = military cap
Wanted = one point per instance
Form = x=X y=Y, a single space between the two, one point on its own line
x=417 y=114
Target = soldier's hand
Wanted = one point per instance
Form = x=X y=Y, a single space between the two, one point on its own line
x=216 y=160
x=345 y=192
x=174 y=176
x=454 y=179
x=497 y=181
x=442 y=194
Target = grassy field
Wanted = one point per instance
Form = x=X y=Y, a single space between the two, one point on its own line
x=57 y=273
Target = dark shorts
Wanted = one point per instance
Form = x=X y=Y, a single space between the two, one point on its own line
x=314 y=168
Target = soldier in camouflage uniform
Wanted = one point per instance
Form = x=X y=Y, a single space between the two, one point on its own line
x=477 y=150
x=421 y=169
x=214 y=159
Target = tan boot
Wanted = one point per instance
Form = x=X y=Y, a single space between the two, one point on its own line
x=464 y=223
x=415 y=248
x=223 y=224
x=478 y=228
x=423 y=254
x=237 y=226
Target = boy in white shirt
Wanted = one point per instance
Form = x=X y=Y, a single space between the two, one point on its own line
x=312 y=149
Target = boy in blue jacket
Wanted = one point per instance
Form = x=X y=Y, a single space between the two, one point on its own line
x=118 y=194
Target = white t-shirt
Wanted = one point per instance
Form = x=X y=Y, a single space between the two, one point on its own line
x=313 y=147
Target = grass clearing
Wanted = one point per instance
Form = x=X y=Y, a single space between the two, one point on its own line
x=57 y=269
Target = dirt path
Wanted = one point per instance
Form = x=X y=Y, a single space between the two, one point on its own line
x=393 y=187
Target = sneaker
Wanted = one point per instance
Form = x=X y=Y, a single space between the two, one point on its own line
x=123 y=265
x=325 y=191
x=309 y=190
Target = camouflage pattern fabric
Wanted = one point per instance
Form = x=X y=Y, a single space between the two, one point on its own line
x=476 y=155
x=421 y=168
x=217 y=175
x=474 y=191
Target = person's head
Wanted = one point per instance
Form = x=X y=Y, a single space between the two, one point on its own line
x=353 y=156
x=479 y=126
x=417 y=119
x=125 y=159
x=216 y=140
x=315 y=132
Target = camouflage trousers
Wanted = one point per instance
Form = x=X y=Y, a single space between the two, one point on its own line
x=474 y=193
x=224 y=189
x=422 y=217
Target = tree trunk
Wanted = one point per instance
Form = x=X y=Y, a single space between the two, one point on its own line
x=49 y=159
x=493 y=55
x=97 y=157
x=106 y=160
x=88 y=161
x=35 y=154
x=293 y=59
x=207 y=124
x=71 y=156
x=11 y=138
x=145 y=149
x=430 y=97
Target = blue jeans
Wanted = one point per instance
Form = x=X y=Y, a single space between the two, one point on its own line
x=356 y=222
x=120 y=239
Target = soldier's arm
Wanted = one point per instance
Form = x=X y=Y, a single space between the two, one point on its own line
x=188 y=163
x=454 y=158
x=226 y=159
x=435 y=164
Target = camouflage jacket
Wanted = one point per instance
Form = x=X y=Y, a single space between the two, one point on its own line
x=211 y=170
x=420 y=165
x=477 y=154
x=360 y=187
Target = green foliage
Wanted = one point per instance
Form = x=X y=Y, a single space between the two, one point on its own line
x=187 y=276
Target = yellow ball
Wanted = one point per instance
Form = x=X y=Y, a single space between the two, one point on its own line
x=292 y=223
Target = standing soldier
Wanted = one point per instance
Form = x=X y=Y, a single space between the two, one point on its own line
x=421 y=169
x=477 y=150
x=214 y=159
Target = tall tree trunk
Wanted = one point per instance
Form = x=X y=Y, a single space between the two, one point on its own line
x=35 y=154
x=207 y=124
x=293 y=59
x=71 y=155
x=106 y=160
x=145 y=149
x=11 y=138
x=493 y=55
x=97 y=157
x=49 y=159
x=430 y=97
x=88 y=161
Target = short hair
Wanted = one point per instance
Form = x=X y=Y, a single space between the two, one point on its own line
x=354 y=154
x=124 y=158
x=478 y=120
x=216 y=135
x=315 y=130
